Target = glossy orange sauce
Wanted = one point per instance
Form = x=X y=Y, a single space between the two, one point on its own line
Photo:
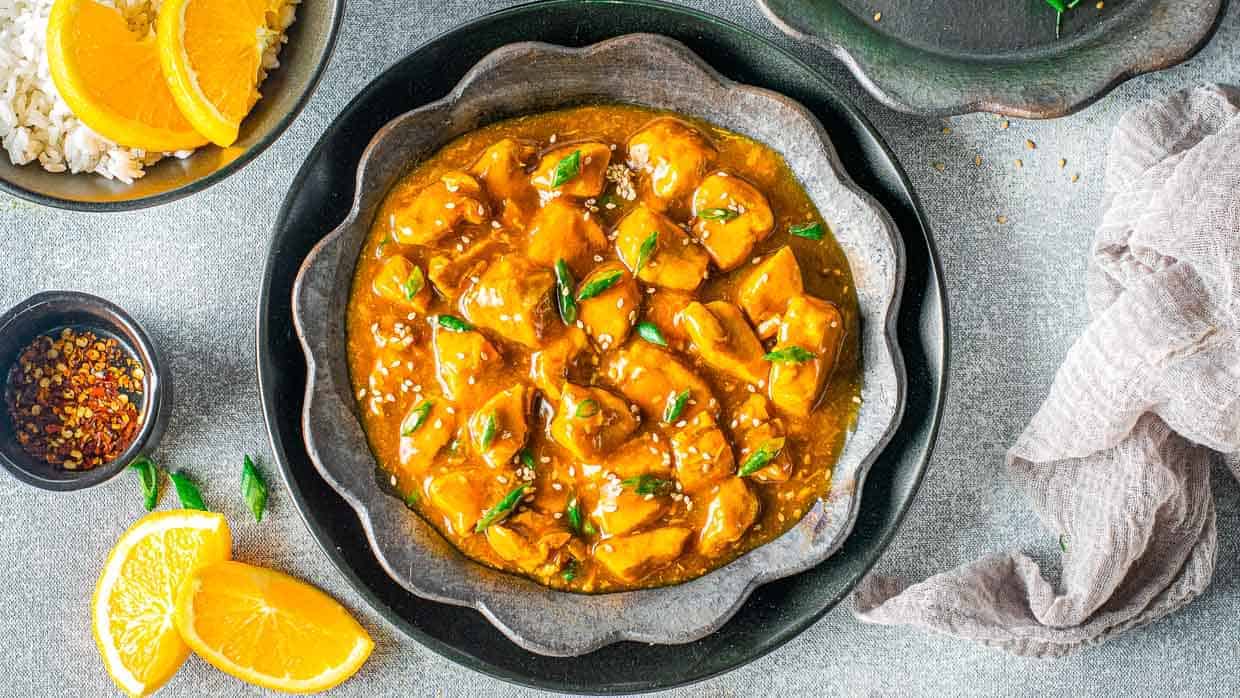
x=392 y=369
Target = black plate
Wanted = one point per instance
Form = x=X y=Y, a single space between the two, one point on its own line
x=319 y=199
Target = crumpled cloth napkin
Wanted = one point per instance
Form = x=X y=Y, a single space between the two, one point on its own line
x=1117 y=460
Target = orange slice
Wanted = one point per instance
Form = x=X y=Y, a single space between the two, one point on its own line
x=132 y=609
x=269 y=629
x=212 y=51
x=111 y=78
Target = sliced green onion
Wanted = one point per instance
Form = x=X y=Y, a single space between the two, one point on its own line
x=454 y=323
x=792 y=354
x=415 y=283
x=810 y=231
x=566 y=169
x=676 y=406
x=586 y=408
x=761 y=457
x=651 y=333
x=649 y=245
x=253 y=488
x=573 y=512
x=717 y=214
x=647 y=484
x=564 y=285
x=148 y=480
x=490 y=426
x=417 y=417
x=596 y=286
x=187 y=492
x=499 y=511
x=527 y=458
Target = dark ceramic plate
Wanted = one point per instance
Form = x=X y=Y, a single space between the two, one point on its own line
x=319 y=200
x=954 y=56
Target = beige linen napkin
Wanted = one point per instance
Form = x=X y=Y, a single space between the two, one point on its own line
x=1117 y=460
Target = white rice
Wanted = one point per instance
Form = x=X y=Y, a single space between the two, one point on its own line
x=36 y=124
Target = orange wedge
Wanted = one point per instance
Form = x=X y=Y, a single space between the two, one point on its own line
x=269 y=629
x=132 y=609
x=212 y=51
x=112 y=80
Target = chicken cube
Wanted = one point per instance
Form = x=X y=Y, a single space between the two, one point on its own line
x=456 y=199
x=634 y=556
x=702 y=453
x=590 y=422
x=663 y=309
x=808 y=325
x=731 y=216
x=732 y=510
x=402 y=282
x=551 y=365
x=586 y=179
x=564 y=230
x=500 y=427
x=464 y=361
x=513 y=299
x=724 y=340
x=452 y=273
x=653 y=378
x=647 y=454
x=621 y=509
x=765 y=291
x=659 y=252
x=458 y=497
x=674 y=154
x=528 y=539
x=755 y=428
x=425 y=430
x=610 y=315
x=501 y=170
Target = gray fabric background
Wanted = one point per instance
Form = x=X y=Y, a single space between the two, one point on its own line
x=190 y=272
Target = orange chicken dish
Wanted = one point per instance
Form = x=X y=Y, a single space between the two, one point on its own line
x=605 y=347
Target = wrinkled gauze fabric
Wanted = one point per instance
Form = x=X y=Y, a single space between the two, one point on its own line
x=1117 y=460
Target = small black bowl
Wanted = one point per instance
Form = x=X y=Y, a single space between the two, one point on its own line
x=49 y=312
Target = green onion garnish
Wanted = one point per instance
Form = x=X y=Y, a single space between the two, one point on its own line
x=564 y=285
x=647 y=484
x=187 y=491
x=454 y=323
x=415 y=283
x=586 y=408
x=490 y=425
x=527 y=458
x=761 y=457
x=810 y=231
x=417 y=417
x=573 y=512
x=792 y=354
x=253 y=489
x=717 y=214
x=499 y=511
x=148 y=479
x=676 y=406
x=646 y=251
x=566 y=169
x=596 y=286
x=651 y=333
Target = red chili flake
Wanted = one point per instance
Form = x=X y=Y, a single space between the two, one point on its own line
x=74 y=399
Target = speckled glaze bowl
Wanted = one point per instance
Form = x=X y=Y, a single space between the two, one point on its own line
x=529 y=77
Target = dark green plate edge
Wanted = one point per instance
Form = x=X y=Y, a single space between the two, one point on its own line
x=788 y=605
x=1042 y=83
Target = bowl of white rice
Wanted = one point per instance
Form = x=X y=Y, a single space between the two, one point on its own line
x=49 y=157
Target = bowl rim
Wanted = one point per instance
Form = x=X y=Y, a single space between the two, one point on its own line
x=192 y=187
x=115 y=320
x=879 y=325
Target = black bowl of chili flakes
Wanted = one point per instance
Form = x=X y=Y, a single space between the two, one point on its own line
x=83 y=388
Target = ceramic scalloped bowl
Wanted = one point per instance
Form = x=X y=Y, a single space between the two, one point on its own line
x=529 y=77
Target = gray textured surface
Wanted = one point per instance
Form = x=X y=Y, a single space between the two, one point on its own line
x=190 y=272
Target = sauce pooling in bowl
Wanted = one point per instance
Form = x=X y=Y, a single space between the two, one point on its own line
x=604 y=347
